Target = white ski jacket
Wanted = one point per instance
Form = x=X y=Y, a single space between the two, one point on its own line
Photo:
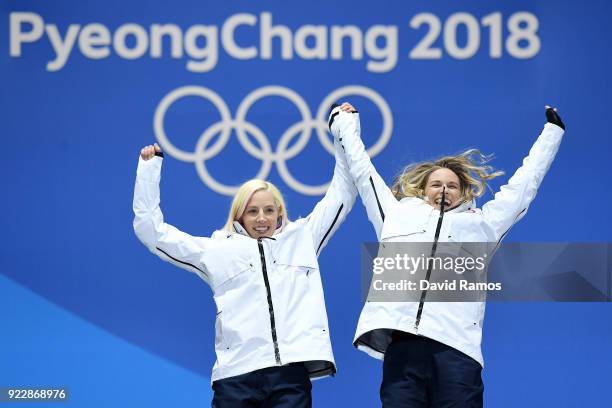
x=268 y=292
x=457 y=324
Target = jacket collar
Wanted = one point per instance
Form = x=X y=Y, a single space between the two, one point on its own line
x=464 y=206
x=238 y=228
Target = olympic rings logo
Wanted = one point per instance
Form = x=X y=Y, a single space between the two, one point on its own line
x=282 y=152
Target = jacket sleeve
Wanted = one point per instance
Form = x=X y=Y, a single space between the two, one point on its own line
x=511 y=202
x=332 y=210
x=164 y=240
x=376 y=196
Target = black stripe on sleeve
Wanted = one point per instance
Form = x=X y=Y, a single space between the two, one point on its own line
x=508 y=230
x=331 y=227
x=331 y=120
x=179 y=261
x=382 y=213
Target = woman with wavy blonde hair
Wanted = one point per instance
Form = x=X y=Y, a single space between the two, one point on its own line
x=431 y=350
x=470 y=167
x=271 y=331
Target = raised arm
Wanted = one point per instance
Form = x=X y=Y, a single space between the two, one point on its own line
x=511 y=202
x=376 y=196
x=331 y=211
x=162 y=239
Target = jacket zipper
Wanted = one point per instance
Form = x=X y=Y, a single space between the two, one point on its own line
x=428 y=275
x=270 y=306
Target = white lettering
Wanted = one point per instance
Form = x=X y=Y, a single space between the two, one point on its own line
x=119 y=41
x=62 y=48
x=438 y=286
x=377 y=267
x=389 y=263
x=319 y=34
x=268 y=32
x=388 y=53
x=201 y=42
x=339 y=33
x=207 y=55
x=158 y=32
x=18 y=37
x=227 y=36
x=94 y=40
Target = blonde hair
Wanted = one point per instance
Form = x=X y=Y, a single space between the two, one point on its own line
x=470 y=166
x=244 y=194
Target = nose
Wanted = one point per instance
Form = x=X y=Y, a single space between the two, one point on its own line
x=442 y=192
x=260 y=217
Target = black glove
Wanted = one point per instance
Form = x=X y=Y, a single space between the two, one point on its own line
x=553 y=117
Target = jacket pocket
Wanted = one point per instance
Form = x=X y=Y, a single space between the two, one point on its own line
x=394 y=235
x=302 y=257
x=223 y=277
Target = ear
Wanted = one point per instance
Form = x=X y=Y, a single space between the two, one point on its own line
x=279 y=222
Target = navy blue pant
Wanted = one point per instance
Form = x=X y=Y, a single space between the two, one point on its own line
x=421 y=372
x=274 y=387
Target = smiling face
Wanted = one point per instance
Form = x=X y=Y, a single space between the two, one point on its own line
x=443 y=179
x=261 y=215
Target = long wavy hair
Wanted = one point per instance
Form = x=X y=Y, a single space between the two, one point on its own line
x=470 y=166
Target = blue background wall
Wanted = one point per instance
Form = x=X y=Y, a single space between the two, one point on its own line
x=84 y=305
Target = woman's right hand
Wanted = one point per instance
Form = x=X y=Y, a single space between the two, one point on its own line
x=347 y=107
x=149 y=151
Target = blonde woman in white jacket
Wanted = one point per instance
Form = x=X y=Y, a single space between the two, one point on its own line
x=431 y=350
x=271 y=331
